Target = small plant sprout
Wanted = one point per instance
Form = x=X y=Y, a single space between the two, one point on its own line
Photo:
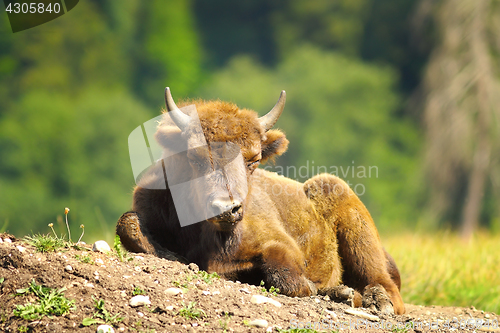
x=51 y=225
x=83 y=232
x=66 y=211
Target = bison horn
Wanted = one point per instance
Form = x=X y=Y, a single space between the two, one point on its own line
x=272 y=116
x=180 y=118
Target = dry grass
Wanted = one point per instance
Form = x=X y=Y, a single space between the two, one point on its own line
x=441 y=269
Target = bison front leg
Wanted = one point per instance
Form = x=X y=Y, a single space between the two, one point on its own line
x=128 y=228
x=284 y=268
x=364 y=261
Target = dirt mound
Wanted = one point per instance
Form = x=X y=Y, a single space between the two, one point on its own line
x=99 y=288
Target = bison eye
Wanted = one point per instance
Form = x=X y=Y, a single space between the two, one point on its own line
x=253 y=164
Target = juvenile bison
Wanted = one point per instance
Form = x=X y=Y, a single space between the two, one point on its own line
x=304 y=239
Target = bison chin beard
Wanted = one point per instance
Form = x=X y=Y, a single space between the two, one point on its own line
x=226 y=222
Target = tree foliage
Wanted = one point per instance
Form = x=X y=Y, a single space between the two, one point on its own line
x=340 y=118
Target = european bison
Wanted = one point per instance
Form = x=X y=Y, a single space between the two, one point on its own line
x=301 y=238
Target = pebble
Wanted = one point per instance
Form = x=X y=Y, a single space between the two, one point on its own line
x=245 y=290
x=105 y=329
x=68 y=268
x=7 y=240
x=20 y=248
x=99 y=261
x=262 y=323
x=101 y=246
x=1 y=240
x=205 y=292
x=139 y=300
x=173 y=291
x=331 y=313
x=487 y=315
x=193 y=267
x=216 y=292
x=139 y=257
x=362 y=314
x=259 y=299
x=170 y=308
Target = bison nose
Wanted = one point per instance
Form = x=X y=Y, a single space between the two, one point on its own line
x=226 y=208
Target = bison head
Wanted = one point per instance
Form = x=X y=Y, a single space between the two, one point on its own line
x=211 y=150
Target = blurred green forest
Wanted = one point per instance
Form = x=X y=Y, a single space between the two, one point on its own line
x=355 y=72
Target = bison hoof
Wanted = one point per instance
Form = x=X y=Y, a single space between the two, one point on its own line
x=340 y=294
x=376 y=298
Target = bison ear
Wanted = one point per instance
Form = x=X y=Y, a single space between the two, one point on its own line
x=275 y=144
x=169 y=137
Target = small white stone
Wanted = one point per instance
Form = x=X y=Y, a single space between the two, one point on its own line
x=245 y=290
x=317 y=300
x=99 y=261
x=170 y=308
x=105 y=329
x=7 y=240
x=68 y=268
x=259 y=299
x=20 y=248
x=173 y=291
x=362 y=314
x=137 y=269
x=262 y=323
x=139 y=300
x=1 y=240
x=87 y=284
x=487 y=315
x=331 y=313
x=216 y=292
x=139 y=257
x=101 y=246
x=140 y=314
x=205 y=292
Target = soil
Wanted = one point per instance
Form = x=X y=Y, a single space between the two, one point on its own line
x=226 y=306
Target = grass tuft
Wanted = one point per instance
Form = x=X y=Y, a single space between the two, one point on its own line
x=46 y=243
x=190 y=311
x=208 y=277
x=51 y=302
x=101 y=315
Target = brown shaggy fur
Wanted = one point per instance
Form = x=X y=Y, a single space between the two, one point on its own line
x=300 y=238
